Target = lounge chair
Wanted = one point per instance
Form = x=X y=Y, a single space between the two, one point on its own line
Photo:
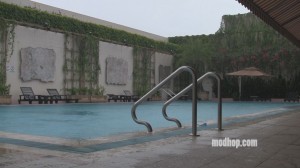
x=260 y=98
x=29 y=96
x=115 y=98
x=129 y=96
x=55 y=96
x=292 y=96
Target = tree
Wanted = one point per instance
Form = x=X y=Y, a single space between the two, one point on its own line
x=197 y=53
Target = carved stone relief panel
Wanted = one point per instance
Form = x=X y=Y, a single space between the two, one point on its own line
x=37 y=64
x=116 y=71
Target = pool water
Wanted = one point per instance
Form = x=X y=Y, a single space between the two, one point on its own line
x=86 y=121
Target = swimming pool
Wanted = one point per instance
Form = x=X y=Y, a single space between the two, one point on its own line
x=86 y=121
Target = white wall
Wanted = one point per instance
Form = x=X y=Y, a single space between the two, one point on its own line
x=29 y=37
x=118 y=51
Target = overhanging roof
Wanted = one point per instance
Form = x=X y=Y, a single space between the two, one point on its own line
x=282 y=15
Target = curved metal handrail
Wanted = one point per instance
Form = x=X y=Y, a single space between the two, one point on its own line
x=157 y=87
x=178 y=95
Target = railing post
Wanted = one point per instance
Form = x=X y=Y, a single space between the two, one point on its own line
x=194 y=105
x=219 y=103
x=194 y=99
x=157 y=87
x=185 y=90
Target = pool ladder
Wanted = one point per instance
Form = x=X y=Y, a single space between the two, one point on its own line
x=192 y=86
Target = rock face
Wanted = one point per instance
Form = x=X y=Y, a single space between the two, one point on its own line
x=37 y=64
x=116 y=71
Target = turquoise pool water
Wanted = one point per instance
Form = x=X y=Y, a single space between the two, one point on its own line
x=85 y=121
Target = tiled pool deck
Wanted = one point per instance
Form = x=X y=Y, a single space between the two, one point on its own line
x=278 y=146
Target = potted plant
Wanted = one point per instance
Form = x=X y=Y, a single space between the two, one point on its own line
x=5 y=98
x=83 y=95
x=86 y=95
x=156 y=96
x=80 y=94
x=97 y=94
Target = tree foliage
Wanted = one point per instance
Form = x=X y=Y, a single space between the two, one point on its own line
x=243 y=41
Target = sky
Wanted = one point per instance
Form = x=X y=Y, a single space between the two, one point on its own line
x=166 y=18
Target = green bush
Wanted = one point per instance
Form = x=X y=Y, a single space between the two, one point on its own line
x=4 y=89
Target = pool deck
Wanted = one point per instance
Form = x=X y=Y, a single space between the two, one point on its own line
x=278 y=146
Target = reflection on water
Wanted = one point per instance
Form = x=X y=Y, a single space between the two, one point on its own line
x=78 y=112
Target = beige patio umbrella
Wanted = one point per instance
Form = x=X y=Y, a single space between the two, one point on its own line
x=251 y=71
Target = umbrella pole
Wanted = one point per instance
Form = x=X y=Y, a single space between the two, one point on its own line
x=240 y=87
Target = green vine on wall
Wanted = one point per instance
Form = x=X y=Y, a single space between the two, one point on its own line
x=142 y=70
x=3 y=34
x=11 y=41
x=81 y=66
x=85 y=75
x=88 y=62
x=3 y=51
x=56 y=22
x=6 y=30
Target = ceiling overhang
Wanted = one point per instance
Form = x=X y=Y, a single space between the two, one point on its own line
x=282 y=15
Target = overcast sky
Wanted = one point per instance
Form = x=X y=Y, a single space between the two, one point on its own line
x=166 y=18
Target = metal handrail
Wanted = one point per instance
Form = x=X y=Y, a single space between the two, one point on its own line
x=157 y=87
x=178 y=95
x=168 y=93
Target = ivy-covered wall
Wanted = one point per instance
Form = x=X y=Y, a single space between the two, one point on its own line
x=27 y=37
x=6 y=41
x=56 y=22
x=78 y=52
x=81 y=65
x=3 y=51
x=143 y=70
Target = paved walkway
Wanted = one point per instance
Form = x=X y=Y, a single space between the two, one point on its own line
x=278 y=146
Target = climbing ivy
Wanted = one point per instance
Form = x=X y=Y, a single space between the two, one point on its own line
x=7 y=37
x=142 y=67
x=11 y=41
x=81 y=66
x=3 y=39
x=55 y=22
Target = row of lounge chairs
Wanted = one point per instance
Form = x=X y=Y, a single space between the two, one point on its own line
x=54 y=96
x=128 y=97
x=292 y=97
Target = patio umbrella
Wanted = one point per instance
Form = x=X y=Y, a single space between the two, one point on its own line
x=251 y=71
